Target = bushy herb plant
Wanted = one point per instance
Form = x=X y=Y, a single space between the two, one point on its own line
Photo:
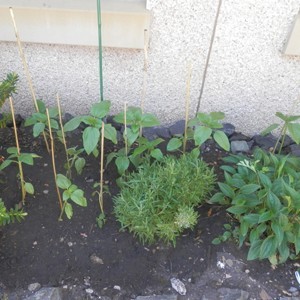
x=10 y=216
x=263 y=195
x=158 y=201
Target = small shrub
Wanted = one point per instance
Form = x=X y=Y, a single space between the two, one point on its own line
x=158 y=201
x=263 y=195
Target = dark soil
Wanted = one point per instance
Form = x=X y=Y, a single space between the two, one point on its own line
x=42 y=249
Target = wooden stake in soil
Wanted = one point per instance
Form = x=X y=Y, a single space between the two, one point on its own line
x=187 y=104
x=125 y=128
x=69 y=175
x=18 y=149
x=101 y=169
x=53 y=161
x=25 y=66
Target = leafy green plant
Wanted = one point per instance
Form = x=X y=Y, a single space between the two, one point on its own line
x=136 y=120
x=19 y=158
x=10 y=216
x=289 y=126
x=263 y=195
x=158 y=201
x=71 y=192
x=74 y=160
x=7 y=87
x=91 y=134
x=201 y=128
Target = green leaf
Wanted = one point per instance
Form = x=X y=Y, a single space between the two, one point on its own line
x=238 y=209
x=78 y=197
x=69 y=210
x=12 y=150
x=79 y=164
x=101 y=109
x=66 y=195
x=195 y=153
x=63 y=182
x=110 y=157
x=90 y=137
x=222 y=140
x=38 y=128
x=5 y=164
x=54 y=124
x=216 y=241
x=41 y=106
x=252 y=219
x=268 y=247
x=266 y=216
x=72 y=124
x=157 y=154
x=149 y=120
x=122 y=163
x=273 y=202
x=282 y=116
x=131 y=136
x=294 y=130
x=26 y=158
x=265 y=180
x=254 y=250
x=278 y=231
x=201 y=134
x=226 y=190
x=53 y=112
x=249 y=188
x=269 y=129
x=29 y=188
x=217 y=115
x=110 y=133
x=217 y=198
x=174 y=144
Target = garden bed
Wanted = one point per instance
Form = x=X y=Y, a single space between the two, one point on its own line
x=88 y=262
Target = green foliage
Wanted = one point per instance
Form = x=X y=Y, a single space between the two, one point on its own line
x=75 y=160
x=8 y=87
x=70 y=192
x=263 y=195
x=201 y=128
x=10 y=216
x=289 y=126
x=91 y=133
x=158 y=201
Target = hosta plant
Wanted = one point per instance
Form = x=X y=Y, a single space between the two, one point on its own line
x=71 y=193
x=159 y=200
x=201 y=128
x=11 y=215
x=263 y=195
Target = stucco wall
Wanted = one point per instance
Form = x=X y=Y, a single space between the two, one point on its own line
x=248 y=77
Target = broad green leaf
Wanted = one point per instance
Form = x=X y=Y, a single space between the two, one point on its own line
x=273 y=202
x=252 y=219
x=149 y=120
x=29 y=188
x=110 y=157
x=217 y=115
x=12 y=150
x=69 y=210
x=268 y=247
x=201 y=134
x=174 y=144
x=90 y=139
x=226 y=190
x=297 y=245
x=237 y=210
x=278 y=231
x=249 y=188
x=195 y=153
x=269 y=129
x=131 y=136
x=26 y=158
x=63 y=182
x=54 y=124
x=122 y=163
x=228 y=169
x=294 y=130
x=119 y=118
x=66 y=195
x=79 y=164
x=101 y=109
x=217 y=198
x=216 y=241
x=265 y=180
x=53 y=112
x=110 y=133
x=5 y=164
x=72 y=124
x=41 y=106
x=266 y=216
x=284 y=252
x=78 y=197
x=38 y=128
x=222 y=140
x=282 y=116
x=254 y=250
x=157 y=154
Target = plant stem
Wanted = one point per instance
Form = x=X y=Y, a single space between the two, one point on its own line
x=62 y=211
x=53 y=160
x=101 y=169
x=283 y=129
x=69 y=175
x=282 y=139
x=18 y=149
x=125 y=128
x=25 y=66
x=187 y=105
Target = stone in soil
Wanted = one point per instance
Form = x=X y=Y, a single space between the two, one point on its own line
x=177 y=128
x=19 y=121
x=230 y=294
x=228 y=129
x=33 y=287
x=266 y=142
x=158 y=297
x=295 y=150
x=163 y=132
x=239 y=146
x=51 y=293
x=237 y=136
x=150 y=133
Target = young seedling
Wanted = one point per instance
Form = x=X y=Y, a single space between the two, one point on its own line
x=53 y=160
x=10 y=216
x=17 y=157
x=71 y=192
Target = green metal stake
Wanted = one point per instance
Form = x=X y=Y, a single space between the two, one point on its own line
x=100 y=48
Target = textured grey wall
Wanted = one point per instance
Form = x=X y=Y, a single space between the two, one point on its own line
x=248 y=77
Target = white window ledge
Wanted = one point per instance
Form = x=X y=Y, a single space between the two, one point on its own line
x=74 y=22
x=293 y=44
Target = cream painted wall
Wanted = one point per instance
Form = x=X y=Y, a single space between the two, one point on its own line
x=248 y=77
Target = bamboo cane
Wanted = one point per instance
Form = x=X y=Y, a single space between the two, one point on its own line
x=187 y=104
x=125 y=128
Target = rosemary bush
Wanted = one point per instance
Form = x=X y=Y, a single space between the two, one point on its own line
x=159 y=200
